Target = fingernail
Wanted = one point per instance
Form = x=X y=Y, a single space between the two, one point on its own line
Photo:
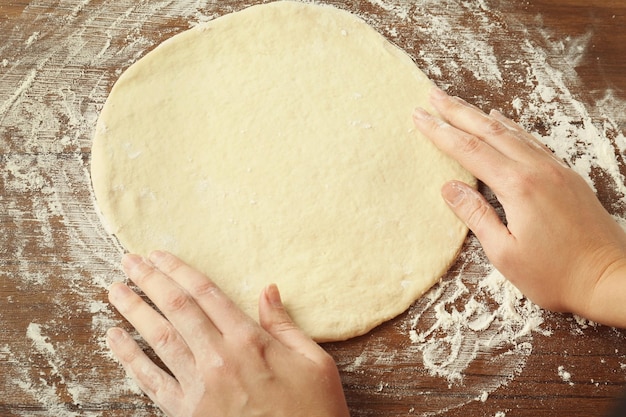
x=120 y=297
x=438 y=93
x=130 y=261
x=421 y=114
x=115 y=335
x=453 y=194
x=273 y=295
x=118 y=291
x=461 y=101
x=497 y=115
x=157 y=256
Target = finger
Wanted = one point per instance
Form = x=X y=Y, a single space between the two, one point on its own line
x=222 y=311
x=158 y=332
x=477 y=156
x=506 y=121
x=472 y=120
x=178 y=306
x=156 y=383
x=523 y=135
x=473 y=209
x=277 y=322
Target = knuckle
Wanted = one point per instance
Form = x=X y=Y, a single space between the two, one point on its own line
x=177 y=301
x=166 y=336
x=252 y=338
x=151 y=381
x=495 y=127
x=282 y=326
x=542 y=174
x=526 y=183
x=151 y=385
x=476 y=214
x=470 y=143
x=205 y=288
x=556 y=173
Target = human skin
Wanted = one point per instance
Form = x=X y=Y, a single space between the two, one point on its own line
x=558 y=246
x=223 y=363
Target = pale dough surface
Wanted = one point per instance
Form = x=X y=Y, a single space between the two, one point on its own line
x=276 y=145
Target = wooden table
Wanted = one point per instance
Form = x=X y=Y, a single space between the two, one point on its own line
x=558 y=66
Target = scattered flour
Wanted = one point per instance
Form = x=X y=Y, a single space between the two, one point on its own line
x=55 y=79
x=475 y=313
x=459 y=335
x=565 y=375
x=32 y=38
x=483 y=396
x=399 y=9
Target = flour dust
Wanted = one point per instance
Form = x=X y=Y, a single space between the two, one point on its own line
x=56 y=69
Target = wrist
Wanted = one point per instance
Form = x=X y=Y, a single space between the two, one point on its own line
x=606 y=300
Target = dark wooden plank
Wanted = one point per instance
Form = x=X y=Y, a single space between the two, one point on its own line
x=56 y=259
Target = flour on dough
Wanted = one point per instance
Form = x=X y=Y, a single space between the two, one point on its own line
x=276 y=145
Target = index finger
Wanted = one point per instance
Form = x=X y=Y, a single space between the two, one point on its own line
x=176 y=304
x=494 y=129
x=477 y=156
x=221 y=310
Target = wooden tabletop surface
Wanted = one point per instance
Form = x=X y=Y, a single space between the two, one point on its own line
x=558 y=66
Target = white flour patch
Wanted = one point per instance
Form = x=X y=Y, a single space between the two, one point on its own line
x=40 y=342
x=399 y=9
x=54 y=80
x=565 y=376
x=466 y=325
x=32 y=38
x=25 y=84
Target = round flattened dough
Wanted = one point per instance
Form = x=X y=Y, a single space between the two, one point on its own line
x=276 y=145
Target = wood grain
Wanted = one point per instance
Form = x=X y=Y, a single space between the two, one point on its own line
x=53 y=280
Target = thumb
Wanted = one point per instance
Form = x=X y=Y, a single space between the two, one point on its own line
x=276 y=321
x=472 y=208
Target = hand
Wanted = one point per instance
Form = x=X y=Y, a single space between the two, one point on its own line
x=223 y=363
x=558 y=246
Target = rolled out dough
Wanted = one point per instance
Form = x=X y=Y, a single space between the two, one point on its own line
x=276 y=144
